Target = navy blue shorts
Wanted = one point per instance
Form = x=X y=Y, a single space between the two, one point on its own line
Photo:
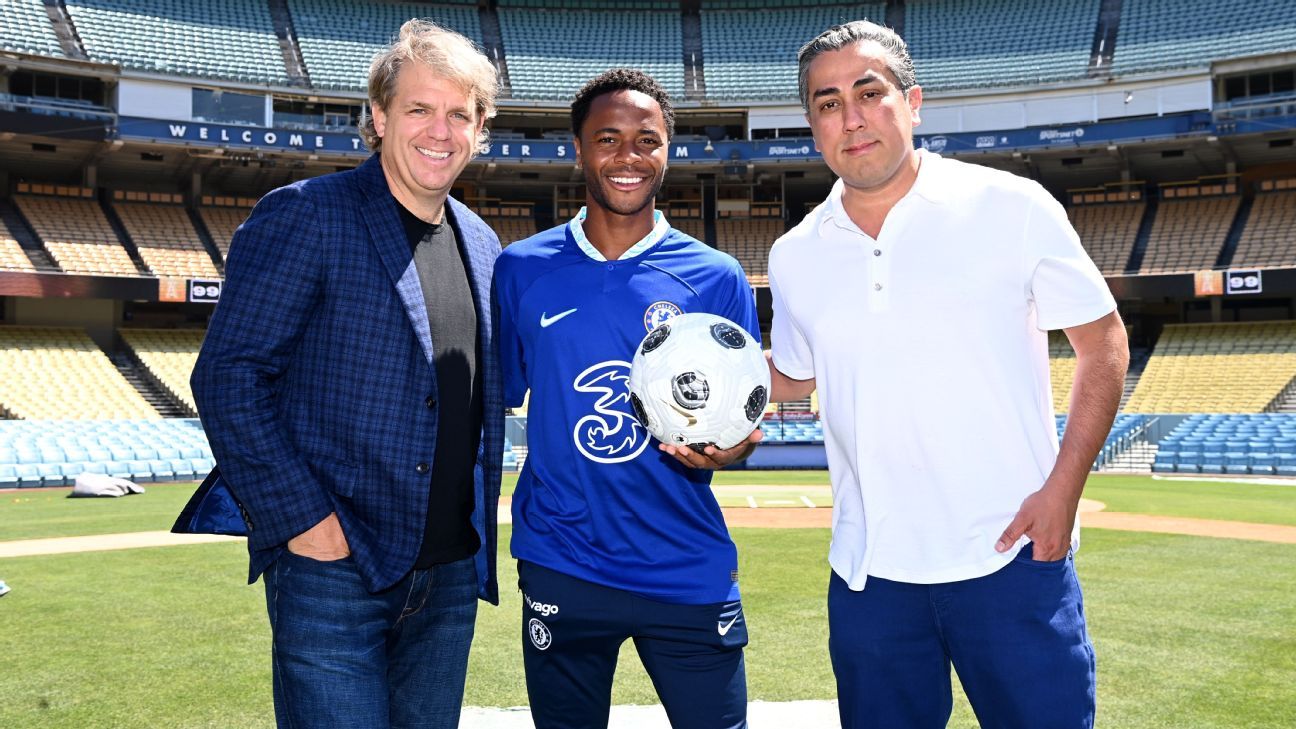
x=1017 y=639
x=572 y=631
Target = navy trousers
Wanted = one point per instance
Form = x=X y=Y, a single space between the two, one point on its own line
x=1017 y=639
x=572 y=632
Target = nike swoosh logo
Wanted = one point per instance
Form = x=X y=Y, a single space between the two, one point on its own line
x=723 y=628
x=690 y=417
x=545 y=321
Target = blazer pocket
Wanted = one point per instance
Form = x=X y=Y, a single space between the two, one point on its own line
x=338 y=477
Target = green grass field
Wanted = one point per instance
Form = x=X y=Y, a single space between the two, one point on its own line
x=1190 y=632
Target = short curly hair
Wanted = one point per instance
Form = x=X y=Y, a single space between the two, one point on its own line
x=621 y=79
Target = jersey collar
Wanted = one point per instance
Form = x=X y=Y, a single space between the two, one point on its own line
x=660 y=228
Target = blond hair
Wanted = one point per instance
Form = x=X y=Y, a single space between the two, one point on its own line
x=449 y=55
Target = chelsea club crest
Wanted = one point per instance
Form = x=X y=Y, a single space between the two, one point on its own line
x=658 y=312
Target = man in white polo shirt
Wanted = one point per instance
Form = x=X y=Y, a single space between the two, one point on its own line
x=917 y=299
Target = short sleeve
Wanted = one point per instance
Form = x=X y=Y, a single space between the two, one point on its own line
x=789 y=348
x=1064 y=284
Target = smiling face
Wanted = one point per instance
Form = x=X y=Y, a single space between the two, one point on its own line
x=429 y=134
x=621 y=149
x=862 y=122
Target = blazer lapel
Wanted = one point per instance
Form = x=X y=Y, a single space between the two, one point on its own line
x=388 y=237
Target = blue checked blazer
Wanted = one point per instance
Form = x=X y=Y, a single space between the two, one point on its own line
x=314 y=380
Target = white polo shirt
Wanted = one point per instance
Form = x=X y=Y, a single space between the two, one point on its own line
x=929 y=348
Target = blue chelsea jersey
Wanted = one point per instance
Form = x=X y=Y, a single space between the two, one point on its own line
x=596 y=500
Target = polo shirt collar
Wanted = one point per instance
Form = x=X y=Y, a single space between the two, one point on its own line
x=930 y=185
x=660 y=228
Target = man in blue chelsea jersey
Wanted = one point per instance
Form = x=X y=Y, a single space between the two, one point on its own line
x=616 y=537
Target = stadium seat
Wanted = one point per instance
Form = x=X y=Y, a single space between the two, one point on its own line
x=161 y=470
x=28 y=474
x=1262 y=464
x=139 y=470
x=51 y=474
x=1188 y=462
x=183 y=469
x=1163 y=34
x=1286 y=465
x=1164 y=462
x=1212 y=462
x=8 y=476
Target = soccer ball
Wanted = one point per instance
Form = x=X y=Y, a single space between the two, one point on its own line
x=699 y=380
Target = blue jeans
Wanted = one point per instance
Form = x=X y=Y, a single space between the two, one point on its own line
x=343 y=657
x=1017 y=639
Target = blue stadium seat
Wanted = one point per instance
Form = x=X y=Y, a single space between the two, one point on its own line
x=182 y=468
x=1237 y=463
x=161 y=470
x=139 y=471
x=1188 y=462
x=28 y=474
x=8 y=476
x=1262 y=464
x=51 y=474
x=1286 y=465
x=1212 y=462
x=1164 y=462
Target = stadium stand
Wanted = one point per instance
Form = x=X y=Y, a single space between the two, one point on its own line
x=164 y=236
x=1164 y=34
x=792 y=430
x=1120 y=437
x=27 y=29
x=1062 y=362
x=749 y=240
x=338 y=38
x=511 y=230
x=1187 y=234
x=963 y=44
x=223 y=216
x=232 y=39
x=695 y=227
x=169 y=356
x=1269 y=239
x=1108 y=232
x=1259 y=445
x=552 y=53
x=12 y=257
x=54 y=452
x=511 y=221
x=74 y=230
x=76 y=380
x=751 y=47
x=1217 y=368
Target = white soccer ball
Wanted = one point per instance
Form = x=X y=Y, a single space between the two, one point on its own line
x=698 y=380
